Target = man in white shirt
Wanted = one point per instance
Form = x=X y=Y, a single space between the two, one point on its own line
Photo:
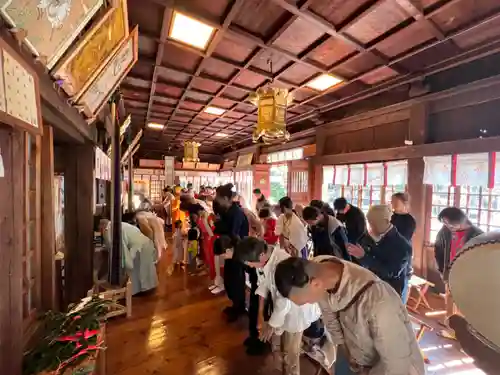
x=291 y=230
x=283 y=317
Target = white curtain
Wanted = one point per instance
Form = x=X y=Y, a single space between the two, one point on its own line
x=341 y=174
x=473 y=169
x=375 y=174
x=397 y=172
x=438 y=170
x=357 y=174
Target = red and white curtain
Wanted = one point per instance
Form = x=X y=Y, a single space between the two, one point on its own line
x=397 y=173
x=462 y=170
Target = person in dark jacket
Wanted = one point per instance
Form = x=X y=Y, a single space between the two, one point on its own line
x=390 y=256
x=328 y=234
x=236 y=224
x=456 y=231
x=403 y=221
x=352 y=217
x=233 y=223
x=261 y=200
x=322 y=206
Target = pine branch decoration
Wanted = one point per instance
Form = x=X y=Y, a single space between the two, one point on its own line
x=67 y=339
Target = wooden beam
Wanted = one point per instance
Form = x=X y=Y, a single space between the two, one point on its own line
x=463 y=146
x=50 y=97
x=50 y=116
x=48 y=245
x=467 y=56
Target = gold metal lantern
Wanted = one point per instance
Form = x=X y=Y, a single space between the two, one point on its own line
x=272 y=103
x=191 y=152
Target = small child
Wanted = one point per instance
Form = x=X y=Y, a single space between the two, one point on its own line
x=269 y=223
x=178 y=245
x=193 y=237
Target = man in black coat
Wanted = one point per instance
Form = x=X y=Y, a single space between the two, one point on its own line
x=390 y=256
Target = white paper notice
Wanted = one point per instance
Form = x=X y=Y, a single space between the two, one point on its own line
x=2 y=170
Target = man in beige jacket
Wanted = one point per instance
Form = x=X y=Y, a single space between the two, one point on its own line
x=364 y=315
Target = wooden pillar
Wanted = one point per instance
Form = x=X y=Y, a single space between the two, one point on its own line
x=317 y=186
x=48 y=279
x=79 y=220
x=416 y=188
x=11 y=254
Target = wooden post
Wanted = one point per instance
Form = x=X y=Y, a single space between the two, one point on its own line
x=11 y=244
x=116 y=208
x=130 y=183
x=49 y=300
x=417 y=134
x=79 y=231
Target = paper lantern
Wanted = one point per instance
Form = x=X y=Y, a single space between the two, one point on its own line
x=272 y=103
x=191 y=152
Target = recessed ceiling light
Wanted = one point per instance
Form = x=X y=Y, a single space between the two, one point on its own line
x=190 y=31
x=215 y=110
x=221 y=135
x=155 y=125
x=323 y=82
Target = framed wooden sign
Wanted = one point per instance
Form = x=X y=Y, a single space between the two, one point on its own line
x=82 y=64
x=244 y=160
x=51 y=26
x=19 y=92
x=106 y=82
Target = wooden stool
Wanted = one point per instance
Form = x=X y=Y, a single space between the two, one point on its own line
x=114 y=295
x=422 y=287
x=423 y=327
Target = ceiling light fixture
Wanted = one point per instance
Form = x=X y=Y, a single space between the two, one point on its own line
x=214 y=111
x=221 y=135
x=323 y=82
x=155 y=125
x=190 y=31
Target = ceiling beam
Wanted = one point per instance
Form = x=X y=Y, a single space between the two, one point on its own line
x=165 y=26
x=463 y=146
x=330 y=29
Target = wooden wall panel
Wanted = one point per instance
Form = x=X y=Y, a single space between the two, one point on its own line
x=11 y=242
x=383 y=136
x=390 y=135
x=465 y=122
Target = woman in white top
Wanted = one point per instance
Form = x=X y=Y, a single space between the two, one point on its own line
x=291 y=230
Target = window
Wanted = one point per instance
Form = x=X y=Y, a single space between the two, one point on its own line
x=482 y=206
x=392 y=189
x=279 y=182
x=363 y=185
x=244 y=186
x=442 y=197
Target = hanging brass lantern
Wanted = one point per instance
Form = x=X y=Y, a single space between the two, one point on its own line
x=191 y=152
x=272 y=103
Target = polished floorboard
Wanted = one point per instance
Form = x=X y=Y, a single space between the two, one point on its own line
x=179 y=329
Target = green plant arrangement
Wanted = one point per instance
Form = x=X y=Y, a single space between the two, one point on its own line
x=68 y=340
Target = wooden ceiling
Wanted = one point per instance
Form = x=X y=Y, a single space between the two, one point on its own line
x=368 y=43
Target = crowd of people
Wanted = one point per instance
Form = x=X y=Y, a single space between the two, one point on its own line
x=325 y=275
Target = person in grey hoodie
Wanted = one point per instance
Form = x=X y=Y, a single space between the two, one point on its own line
x=364 y=315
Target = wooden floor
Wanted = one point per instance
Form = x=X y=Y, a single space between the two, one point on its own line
x=179 y=329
